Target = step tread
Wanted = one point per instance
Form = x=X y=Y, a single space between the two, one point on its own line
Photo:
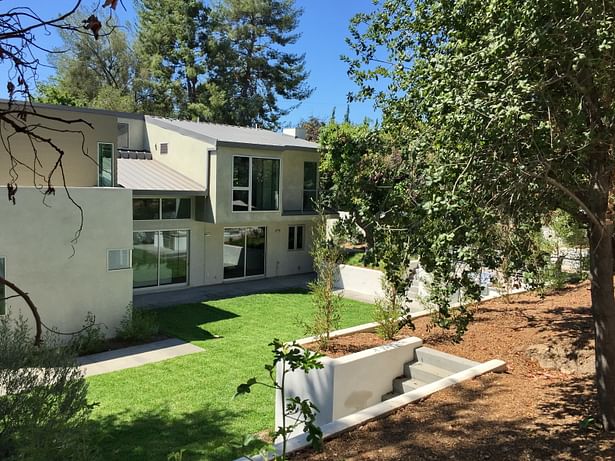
x=428 y=368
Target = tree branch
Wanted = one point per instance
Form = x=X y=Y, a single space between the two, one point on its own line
x=31 y=305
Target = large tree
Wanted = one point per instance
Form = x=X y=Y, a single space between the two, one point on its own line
x=251 y=63
x=509 y=108
x=172 y=60
x=92 y=72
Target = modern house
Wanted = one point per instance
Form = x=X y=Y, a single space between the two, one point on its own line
x=166 y=204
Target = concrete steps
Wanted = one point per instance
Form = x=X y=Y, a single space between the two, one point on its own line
x=428 y=366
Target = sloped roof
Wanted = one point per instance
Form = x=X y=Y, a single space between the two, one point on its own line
x=229 y=135
x=146 y=175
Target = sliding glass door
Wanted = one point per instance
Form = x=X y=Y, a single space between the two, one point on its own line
x=244 y=252
x=160 y=258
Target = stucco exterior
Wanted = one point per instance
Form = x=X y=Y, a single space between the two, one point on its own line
x=65 y=284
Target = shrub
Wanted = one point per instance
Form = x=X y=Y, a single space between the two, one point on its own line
x=91 y=339
x=43 y=398
x=388 y=311
x=138 y=325
x=326 y=253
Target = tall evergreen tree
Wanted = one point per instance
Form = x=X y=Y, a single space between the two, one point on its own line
x=249 y=64
x=92 y=72
x=171 y=58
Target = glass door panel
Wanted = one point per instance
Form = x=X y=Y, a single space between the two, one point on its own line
x=145 y=259
x=255 y=251
x=234 y=253
x=173 y=257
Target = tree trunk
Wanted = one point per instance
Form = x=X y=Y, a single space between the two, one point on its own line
x=603 y=311
x=37 y=318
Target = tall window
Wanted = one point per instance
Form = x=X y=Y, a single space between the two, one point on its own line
x=105 y=164
x=256 y=184
x=2 y=287
x=310 y=185
x=123 y=136
x=295 y=237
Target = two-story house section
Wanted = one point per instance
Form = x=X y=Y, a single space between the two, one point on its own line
x=165 y=204
x=216 y=203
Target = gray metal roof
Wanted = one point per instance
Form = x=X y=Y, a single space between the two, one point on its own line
x=229 y=135
x=145 y=175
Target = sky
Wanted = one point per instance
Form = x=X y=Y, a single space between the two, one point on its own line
x=323 y=28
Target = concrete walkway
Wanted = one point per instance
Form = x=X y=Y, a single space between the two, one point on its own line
x=131 y=357
x=225 y=290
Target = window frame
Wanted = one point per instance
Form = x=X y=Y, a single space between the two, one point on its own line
x=245 y=264
x=315 y=190
x=109 y=250
x=249 y=187
x=167 y=148
x=158 y=286
x=127 y=135
x=98 y=165
x=294 y=228
x=160 y=199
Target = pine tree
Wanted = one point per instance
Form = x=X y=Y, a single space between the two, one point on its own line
x=171 y=60
x=249 y=63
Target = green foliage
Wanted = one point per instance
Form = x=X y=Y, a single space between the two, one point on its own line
x=501 y=107
x=91 y=339
x=326 y=254
x=250 y=61
x=394 y=254
x=171 y=57
x=138 y=325
x=43 y=399
x=296 y=412
x=92 y=73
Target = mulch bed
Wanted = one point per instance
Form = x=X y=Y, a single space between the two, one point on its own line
x=527 y=413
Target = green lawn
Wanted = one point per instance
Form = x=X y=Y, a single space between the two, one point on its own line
x=150 y=411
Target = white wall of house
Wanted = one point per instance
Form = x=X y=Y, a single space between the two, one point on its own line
x=185 y=154
x=36 y=243
x=80 y=166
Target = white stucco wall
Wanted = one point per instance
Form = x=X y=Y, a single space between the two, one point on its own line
x=36 y=242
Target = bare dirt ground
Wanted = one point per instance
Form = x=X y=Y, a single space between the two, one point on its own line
x=531 y=412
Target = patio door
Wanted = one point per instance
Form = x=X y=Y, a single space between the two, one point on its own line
x=244 y=252
x=160 y=258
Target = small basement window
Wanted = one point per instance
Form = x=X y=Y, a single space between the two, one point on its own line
x=119 y=259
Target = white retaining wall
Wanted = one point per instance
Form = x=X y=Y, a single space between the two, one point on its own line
x=351 y=383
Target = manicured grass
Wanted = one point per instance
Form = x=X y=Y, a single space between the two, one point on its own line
x=356 y=259
x=186 y=403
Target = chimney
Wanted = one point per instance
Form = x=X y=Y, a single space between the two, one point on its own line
x=297 y=133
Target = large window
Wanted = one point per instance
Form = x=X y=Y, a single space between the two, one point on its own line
x=105 y=164
x=160 y=258
x=295 y=237
x=244 y=252
x=156 y=208
x=2 y=287
x=256 y=184
x=310 y=185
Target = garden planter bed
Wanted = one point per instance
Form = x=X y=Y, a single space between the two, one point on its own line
x=340 y=346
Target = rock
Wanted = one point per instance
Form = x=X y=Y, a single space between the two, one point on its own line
x=562 y=357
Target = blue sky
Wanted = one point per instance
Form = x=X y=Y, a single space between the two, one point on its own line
x=324 y=26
